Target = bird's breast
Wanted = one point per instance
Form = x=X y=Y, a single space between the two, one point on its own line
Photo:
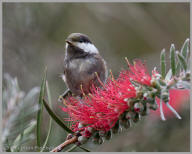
x=79 y=66
x=82 y=72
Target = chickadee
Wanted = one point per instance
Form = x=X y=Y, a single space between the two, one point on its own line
x=82 y=61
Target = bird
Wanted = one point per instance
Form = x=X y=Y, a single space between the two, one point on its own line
x=83 y=66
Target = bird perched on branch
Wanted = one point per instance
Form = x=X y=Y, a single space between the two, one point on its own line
x=83 y=66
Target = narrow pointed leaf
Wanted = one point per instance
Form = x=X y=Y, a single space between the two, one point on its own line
x=183 y=85
x=163 y=64
x=178 y=68
x=168 y=75
x=7 y=148
x=172 y=58
x=84 y=149
x=56 y=118
x=39 y=113
x=72 y=148
x=182 y=61
x=50 y=120
x=19 y=138
x=185 y=48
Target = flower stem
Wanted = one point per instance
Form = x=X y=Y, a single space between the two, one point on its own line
x=64 y=144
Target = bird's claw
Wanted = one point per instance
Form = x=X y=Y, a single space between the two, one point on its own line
x=60 y=99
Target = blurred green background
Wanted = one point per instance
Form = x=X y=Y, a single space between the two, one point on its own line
x=34 y=35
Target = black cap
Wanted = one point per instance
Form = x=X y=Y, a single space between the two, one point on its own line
x=78 y=37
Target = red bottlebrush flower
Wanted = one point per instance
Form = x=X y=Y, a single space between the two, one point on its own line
x=102 y=108
x=138 y=73
x=87 y=133
x=177 y=97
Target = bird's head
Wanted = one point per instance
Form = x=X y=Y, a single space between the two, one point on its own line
x=77 y=43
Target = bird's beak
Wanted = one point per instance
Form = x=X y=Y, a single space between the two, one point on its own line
x=69 y=42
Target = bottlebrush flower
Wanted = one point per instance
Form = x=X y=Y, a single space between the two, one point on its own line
x=118 y=102
x=138 y=73
x=102 y=108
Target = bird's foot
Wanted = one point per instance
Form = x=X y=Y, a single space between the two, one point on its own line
x=60 y=99
x=64 y=95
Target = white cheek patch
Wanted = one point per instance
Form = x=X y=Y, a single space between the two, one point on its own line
x=66 y=45
x=63 y=77
x=87 y=47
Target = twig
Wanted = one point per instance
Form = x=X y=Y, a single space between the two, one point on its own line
x=64 y=144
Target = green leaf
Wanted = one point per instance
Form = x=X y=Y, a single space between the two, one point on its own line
x=72 y=148
x=56 y=118
x=7 y=147
x=185 y=48
x=178 y=67
x=29 y=112
x=84 y=149
x=39 y=113
x=163 y=64
x=50 y=120
x=21 y=112
x=18 y=141
x=172 y=58
x=75 y=146
x=183 y=85
x=182 y=61
x=168 y=75
x=24 y=141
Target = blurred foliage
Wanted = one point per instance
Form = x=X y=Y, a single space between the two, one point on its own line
x=34 y=35
x=19 y=111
